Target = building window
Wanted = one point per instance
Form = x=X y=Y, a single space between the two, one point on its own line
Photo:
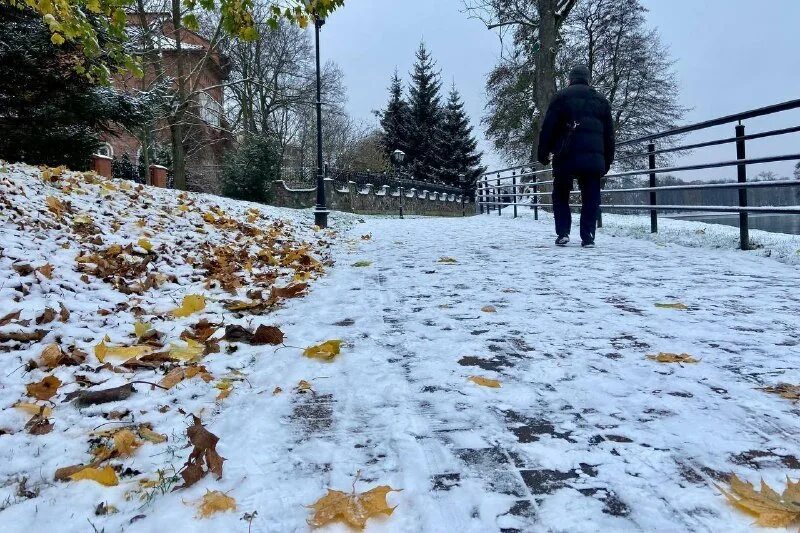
x=106 y=150
x=210 y=109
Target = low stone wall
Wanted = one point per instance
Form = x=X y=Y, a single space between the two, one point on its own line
x=367 y=200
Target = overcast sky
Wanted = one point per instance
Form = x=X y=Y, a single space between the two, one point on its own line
x=731 y=55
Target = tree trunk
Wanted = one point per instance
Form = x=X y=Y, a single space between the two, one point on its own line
x=545 y=71
x=177 y=126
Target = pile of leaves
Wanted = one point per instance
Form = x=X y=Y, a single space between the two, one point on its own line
x=126 y=306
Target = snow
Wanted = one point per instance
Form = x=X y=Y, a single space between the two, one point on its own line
x=585 y=434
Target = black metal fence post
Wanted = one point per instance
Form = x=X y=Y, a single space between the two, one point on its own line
x=651 y=148
x=535 y=197
x=514 y=191
x=499 y=198
x=401 y=201
x=744 y=222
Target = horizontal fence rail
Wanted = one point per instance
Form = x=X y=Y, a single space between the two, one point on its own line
x=524 y=185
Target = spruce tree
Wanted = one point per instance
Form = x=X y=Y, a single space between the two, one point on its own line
x=425 y=126
x=395 y=120
x=458 y=145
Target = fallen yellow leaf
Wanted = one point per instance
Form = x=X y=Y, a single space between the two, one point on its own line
x=325 y=351
x=770 y=508
x=125 y=442
x=45 y=389
x=215 y=502
x=679 y=306
x=34 y=409
x=105 y=476
x=352 y=509
x=193 y=350
x=146 y=244
x=665 y=357
x=485 y=382
x=191 y=304
x=140 y=329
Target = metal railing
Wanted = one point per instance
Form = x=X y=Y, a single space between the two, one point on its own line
x=505 y=187
x=341 y=177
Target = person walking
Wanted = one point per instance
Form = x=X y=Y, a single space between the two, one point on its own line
x=578 y=131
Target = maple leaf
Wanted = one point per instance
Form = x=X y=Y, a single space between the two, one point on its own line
x=178 y=374
x=678 y=306
x=771 y=508
x=140 y=329
x=485 y=382
x=790 y=392
x=191 y=304
x=353 y=509
x=45 y=389
x=203 y=455
x=215 y=502
x=325 y=351
x=105 y=476
x=664 y=357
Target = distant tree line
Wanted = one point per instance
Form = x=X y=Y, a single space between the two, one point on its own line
x=435 y=135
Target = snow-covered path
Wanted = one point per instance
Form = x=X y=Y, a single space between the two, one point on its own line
x=586 y=434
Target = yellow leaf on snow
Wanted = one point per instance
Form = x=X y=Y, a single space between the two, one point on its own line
x=125 y=442
x=679 y=306
x=771 y=508
x=225 y=387
x=178 y=374
x=34 y=409
x=124 y=353
x=105 y=476
x=325 y=351
x=485 y=382
x=353 y=509
x=140 y=329
x=146 y=244
x=302 y=386
x=191 y=304
x=665 y=357
x=215 y=502
x=193 y=350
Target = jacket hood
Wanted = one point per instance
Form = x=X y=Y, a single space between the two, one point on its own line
x=579 y=75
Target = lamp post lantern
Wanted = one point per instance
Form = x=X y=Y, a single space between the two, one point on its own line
x=321 y=210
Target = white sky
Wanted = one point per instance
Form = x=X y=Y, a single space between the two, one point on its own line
x=731 y=55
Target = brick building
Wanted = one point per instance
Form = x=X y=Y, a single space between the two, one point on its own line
x=206 y=137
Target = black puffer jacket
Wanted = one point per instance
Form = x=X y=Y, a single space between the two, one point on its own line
x=579 y=131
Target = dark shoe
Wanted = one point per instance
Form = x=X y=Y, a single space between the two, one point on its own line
x=588 y=244
x=562 y=241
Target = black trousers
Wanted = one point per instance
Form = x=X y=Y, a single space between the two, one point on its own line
x=590 y=198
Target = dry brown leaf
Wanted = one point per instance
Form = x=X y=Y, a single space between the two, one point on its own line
x=268 y=335
x=47 y=316
x=277 y=391
x=664 y=357
x=51 y=355
x=489 y=309
x=44 y=389
x=790 y=392
x=63 y=314
x=294 y=290
x=353 y=509
x=46 y=270
x=178 y=374
x=5 y=320
x=215 y=502
x=770 y=508
x=485 y=382
x=204 y=457
x=39 y=424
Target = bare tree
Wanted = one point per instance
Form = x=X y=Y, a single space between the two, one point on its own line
x=629 y=65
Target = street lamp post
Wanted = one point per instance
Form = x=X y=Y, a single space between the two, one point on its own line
x=461 y=182
x=398 y=156
x=321 y=210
